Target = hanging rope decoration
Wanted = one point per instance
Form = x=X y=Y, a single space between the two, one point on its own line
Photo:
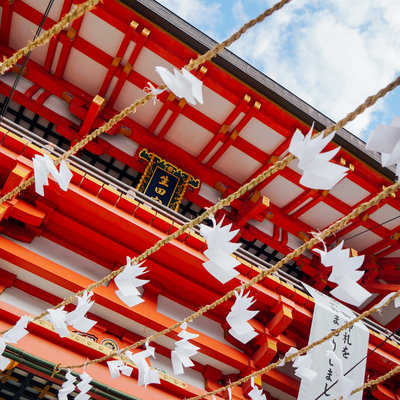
x=307 y=245
x=292 y=356
x=80 y=10
x=279 y=165
x=226 y=201
x=376 y=381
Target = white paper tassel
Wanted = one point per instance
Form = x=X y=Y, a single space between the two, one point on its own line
x=4 y=361
x=221 y=264
x=147 y=375
x=84 y=387
x=18 y=331
x=43 y=166
x=396 y=301
x=386 y=140
x=58 y=319
x=117 y=367
x=302 y=365
x=180 y=357
x=77 y=317
x=238 y=317
x=182 y=84
x=318 y=172
x=128 y=283
x=345 y=274
x=67 y=387
x=257 y=394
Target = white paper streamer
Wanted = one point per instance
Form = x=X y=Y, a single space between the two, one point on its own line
x=58 y=319
x=4 y=361
x=117 y=367
x=302 y=365
x=386 y=140
x=154 y=91
x=345 y=274
x=43 y=166
x=318 y=172
x=221 y=264
x=18 y=331
x=67 y=387
x=180 y=357
x=183 y=84
x=147 y=375
x=256 y=393
x=238 y=317
x=84 y=387
x=77 y=317
x=128 y=283
x=396 y=301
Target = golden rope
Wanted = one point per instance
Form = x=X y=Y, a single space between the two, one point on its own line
x=80 y=10
x=279 y=165
x=380 y=379
x=305 y=349
x=307 y=245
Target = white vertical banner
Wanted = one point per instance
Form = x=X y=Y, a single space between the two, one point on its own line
x=350 y=346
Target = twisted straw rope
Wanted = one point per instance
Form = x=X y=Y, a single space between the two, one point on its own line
x=307 y=245
x=46 y=36
x=305 y=349
x=279 y=165
x=378 y=380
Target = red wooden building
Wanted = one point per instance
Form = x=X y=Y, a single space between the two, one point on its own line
x=53 y=246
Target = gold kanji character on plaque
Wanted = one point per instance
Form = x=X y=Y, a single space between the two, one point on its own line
x=164 y=181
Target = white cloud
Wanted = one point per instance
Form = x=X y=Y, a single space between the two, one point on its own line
x=206 y=14
x=332 y=54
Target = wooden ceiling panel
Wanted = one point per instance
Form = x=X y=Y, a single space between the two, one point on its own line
x=236 y=164
x=281 y=191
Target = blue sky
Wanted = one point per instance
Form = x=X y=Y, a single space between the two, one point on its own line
x=331 y=53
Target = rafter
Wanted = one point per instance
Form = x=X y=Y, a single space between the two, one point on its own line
x=118 y=57
x=139 y=44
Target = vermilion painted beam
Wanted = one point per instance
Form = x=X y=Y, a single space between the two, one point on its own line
x=6 y=18
x=145 y=313
x=240 y=107
x=161 y=113
x=32 y=90
x=54 y=41
x=94 y=110
x=177 y=110
x=231 y=139
x=299 y=200
x=118 y=57
x=67 y=40
x=140 y=41
x=35 y=107
x=42 y=340
x=381 y=392
x=384 y=288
